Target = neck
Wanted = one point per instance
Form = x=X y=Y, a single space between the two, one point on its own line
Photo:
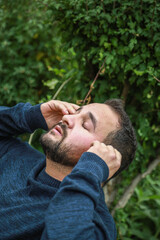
x=57 y=170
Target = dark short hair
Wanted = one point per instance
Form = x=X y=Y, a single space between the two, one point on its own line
x=124 y=138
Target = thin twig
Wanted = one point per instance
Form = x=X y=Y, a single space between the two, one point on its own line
x=125 y=91
x=60 y=88
x=156 y=78
x=92 y=85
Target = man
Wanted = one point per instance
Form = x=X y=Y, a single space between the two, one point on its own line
x=58 y=195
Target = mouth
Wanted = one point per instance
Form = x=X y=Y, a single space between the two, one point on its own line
x=57 y=130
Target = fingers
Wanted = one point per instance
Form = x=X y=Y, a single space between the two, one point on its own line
x=70 y=107
x=65 y=107
x=108 y=149
x=109 y=154
x=115 y=162
x=119 y=158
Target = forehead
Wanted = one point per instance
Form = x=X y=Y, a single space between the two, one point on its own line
x=106 y=118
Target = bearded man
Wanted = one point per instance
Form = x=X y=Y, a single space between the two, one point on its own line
x=59 y=195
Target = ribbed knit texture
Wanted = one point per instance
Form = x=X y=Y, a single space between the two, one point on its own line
x=34 y=205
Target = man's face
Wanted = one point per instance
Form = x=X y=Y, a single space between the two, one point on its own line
x=76 y=132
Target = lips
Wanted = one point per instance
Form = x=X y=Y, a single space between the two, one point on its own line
x=58 y=130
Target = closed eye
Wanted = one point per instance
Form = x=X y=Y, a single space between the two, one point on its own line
x=90 y=116
x=85 y=125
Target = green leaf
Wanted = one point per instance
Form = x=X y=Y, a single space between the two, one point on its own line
x=51 y=84
x=139 y=73
x=132 y=43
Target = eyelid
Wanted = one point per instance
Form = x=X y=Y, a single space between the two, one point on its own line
x=85 y=117
x=84 y=125
x=88 y=125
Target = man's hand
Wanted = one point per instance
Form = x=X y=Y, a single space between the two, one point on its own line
x=54 y=110
x=109 y=154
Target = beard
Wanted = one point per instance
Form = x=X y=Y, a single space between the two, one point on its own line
x=56 y=150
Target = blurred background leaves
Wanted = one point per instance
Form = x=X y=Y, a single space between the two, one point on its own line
x=44 y=43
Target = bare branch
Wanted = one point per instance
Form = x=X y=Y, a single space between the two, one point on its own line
x=92 y=84
x=125 y=91
x=129 y=191
x=110 y=190
x=151 y=167
x=156 y=78
x=60 y=88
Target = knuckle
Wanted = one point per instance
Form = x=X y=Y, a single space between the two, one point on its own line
x=96 y=142
x=103 y=144
x=113 y=156
x=110 y=146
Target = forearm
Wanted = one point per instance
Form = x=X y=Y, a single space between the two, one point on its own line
x=20 y=119
x=71 y=211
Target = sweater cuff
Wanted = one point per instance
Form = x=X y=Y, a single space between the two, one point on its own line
x=92 y=163
x=35 y=118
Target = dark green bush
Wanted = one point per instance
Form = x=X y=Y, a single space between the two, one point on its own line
x=44 y=43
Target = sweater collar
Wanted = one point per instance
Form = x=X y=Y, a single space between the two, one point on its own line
x=44 y=178
x=39 y=178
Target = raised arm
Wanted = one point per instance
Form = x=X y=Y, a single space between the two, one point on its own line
x=20 y=119
x=25 y=118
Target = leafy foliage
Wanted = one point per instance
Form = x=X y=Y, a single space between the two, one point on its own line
x=141 y=212
x=44 y=43
x=28 y=50
x=124 y=34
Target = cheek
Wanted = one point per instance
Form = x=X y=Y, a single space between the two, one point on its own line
x=84 y=143
x=81 y=142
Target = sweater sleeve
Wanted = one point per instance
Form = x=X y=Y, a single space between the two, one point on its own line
x=72 y=212
x=22 y=118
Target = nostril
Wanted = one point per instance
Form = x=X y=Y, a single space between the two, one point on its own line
x=68 y=120
x=65 y=120
x=65 y=123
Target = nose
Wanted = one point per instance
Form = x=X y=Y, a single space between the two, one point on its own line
x=69 y=120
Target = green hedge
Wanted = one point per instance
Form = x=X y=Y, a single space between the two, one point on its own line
x=44 y=43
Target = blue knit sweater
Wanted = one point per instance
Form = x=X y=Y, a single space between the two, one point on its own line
x=34 y=205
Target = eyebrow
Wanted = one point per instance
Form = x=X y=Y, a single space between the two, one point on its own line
x=93 y=119
x=91 y=116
